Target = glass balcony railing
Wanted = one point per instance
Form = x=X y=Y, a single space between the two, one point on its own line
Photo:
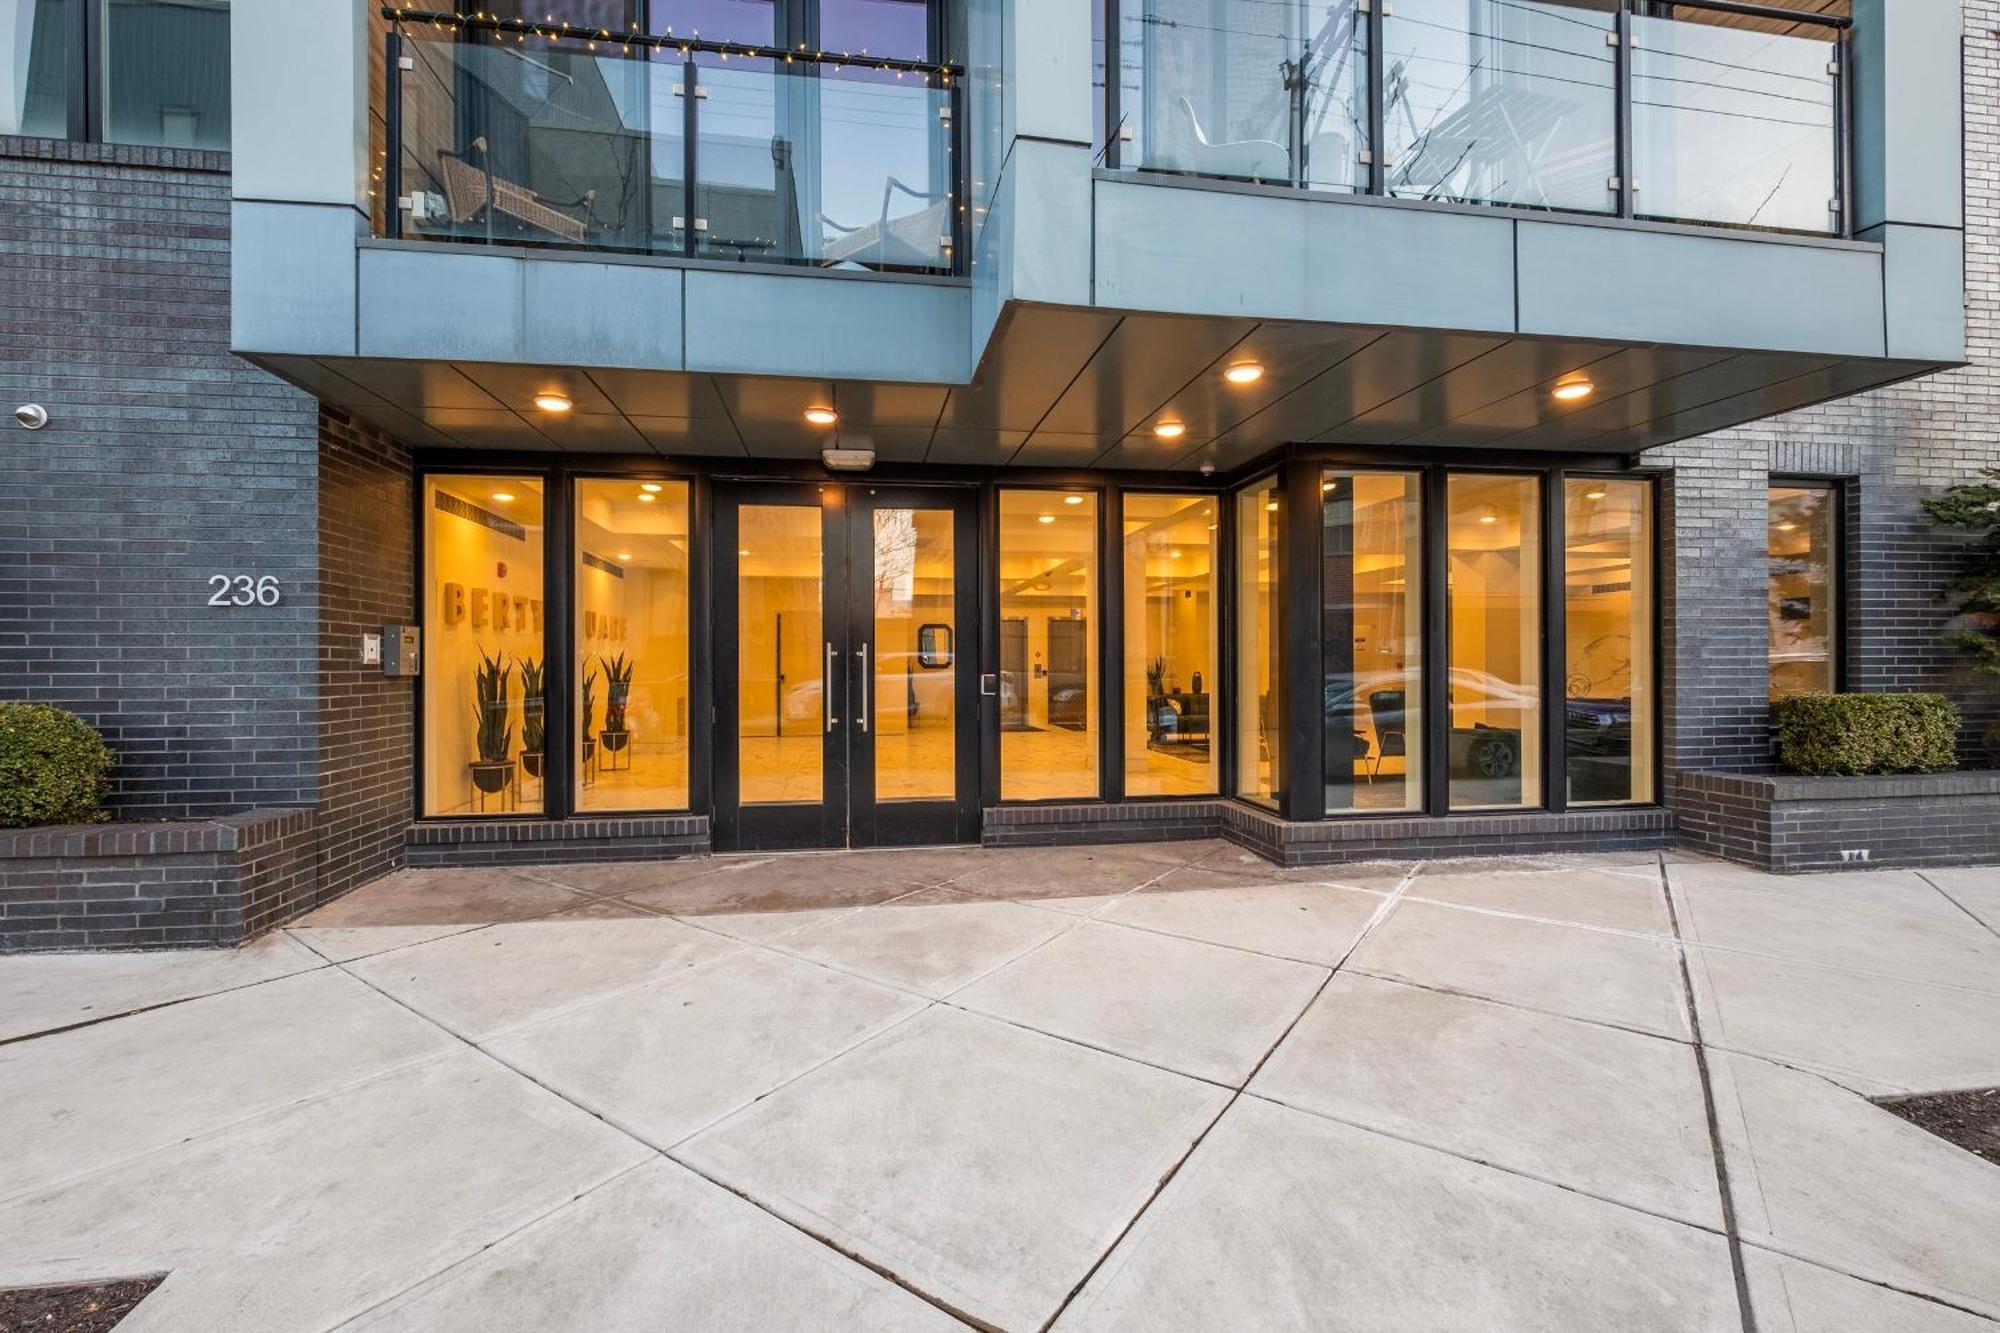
x=1707 y=111
x=505 y=133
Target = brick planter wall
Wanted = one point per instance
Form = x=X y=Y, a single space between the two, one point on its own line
x=1329 y=841
x=506 y=842
x=1782 y=823
x=157 y=885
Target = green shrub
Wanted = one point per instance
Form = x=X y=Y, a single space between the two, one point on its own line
x=1843 y=735
x=53 y=768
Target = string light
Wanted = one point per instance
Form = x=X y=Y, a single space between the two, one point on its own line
x=556 y=31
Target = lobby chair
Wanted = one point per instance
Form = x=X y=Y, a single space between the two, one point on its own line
x=1386 y=712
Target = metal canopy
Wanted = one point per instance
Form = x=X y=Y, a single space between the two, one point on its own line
x=1068 y=387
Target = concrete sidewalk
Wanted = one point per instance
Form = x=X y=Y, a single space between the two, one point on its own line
x=1153 y=1087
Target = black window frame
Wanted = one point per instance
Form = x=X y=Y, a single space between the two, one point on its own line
x=84 y=83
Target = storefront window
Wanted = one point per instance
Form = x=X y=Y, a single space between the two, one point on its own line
x=1493 y=580
x=483 y=637
x=1608 y=655
x=166 y=73
x=1170 y=645
x=1259 y=701
x=1372 y=626
x=630 y=684
x=1048 y=645
x=1804 y=583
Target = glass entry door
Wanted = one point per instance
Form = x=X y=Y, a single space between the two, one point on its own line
x=847 y=702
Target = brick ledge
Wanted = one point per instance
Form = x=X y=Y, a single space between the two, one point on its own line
x=226 y=833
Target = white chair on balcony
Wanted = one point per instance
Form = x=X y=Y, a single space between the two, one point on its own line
x=917 y=239
x=1249 y=159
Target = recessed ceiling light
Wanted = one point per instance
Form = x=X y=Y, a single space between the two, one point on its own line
x=1489 y=518
x=624 y=555
x=744 y=551
x=1271 y=505
x=1787 y=526
x=1170 y=430
x=1045 y=518
x=651 y=487
x=504 y=497
x=1072 y=499
x=1573 y=391
x=822 y=416
x=646 y=497
x=1244 y=372
x=1597 y=494
x=1173 y=555
x=551 y=401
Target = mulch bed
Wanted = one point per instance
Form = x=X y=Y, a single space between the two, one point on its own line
x=1970 y=1119
x=93 y=1307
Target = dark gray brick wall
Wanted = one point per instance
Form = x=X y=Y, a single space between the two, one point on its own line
x=367 y=721
x=1895 y=446
x=166 y=459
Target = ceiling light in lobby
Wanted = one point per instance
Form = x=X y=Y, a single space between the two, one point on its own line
x=1045 y=518
x=652 y=487
x=624 y=555
x=1170 y=430
x=821 y=416
x=1573 y=391
x=645 y=498
x=551 y=401
x=1072 y=499
x=1597 y=494
x=503 y=497
x=1244 y=372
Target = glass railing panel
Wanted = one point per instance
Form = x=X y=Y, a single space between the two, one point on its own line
x=835 y=166
x=541 y=145
x=547 y=143
x=1259 y=90
x=1502 y=102
x=1734 y=125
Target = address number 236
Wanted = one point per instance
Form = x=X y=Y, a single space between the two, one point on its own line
x=242 y=590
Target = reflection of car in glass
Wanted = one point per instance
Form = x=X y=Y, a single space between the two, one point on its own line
x=927 y=688
x=1480 y=750
x=1599 y=732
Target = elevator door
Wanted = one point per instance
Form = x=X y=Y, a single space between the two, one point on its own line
x=848 y=704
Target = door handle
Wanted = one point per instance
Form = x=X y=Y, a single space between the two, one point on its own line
x=826 y=690
x=862 y=653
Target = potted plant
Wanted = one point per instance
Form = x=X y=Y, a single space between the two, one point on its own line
x=1974 y=509
x=494 y=733
x=533 y=736
x=617 y=693
x=589 y=709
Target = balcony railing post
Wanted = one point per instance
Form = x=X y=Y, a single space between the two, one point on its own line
x=392 y=136
x=1843 y=131
x=1114 y=80
x=955 y=179
x=1378 y=112
x=690 y=126
x=1622 y=74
